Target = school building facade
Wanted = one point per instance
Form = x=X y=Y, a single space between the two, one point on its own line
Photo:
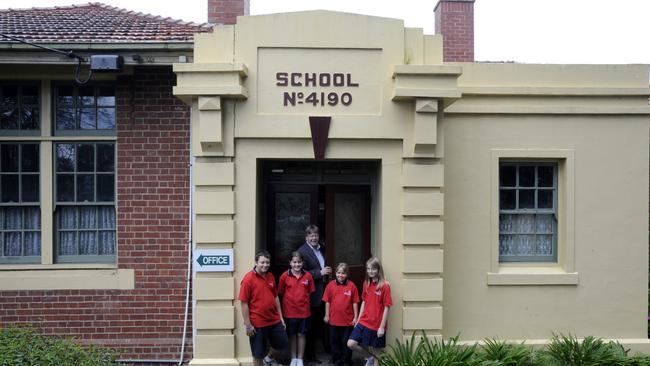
x=504 y=200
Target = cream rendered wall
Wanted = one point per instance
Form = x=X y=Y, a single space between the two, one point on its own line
x=597 y=117
x=439 y=131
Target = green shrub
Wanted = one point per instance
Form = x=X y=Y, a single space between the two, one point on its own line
x=430 y=353
x=569 y=351
x=506 y=354
x=24 y=346
x=561 y=351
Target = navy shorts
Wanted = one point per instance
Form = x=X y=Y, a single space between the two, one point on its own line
x=297 y=325
x=367 y=337
x=273 y=334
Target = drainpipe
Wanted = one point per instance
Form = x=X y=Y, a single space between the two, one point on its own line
x=188 y=280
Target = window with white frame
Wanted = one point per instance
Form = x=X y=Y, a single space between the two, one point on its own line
x=528 y=211
x=81 y=144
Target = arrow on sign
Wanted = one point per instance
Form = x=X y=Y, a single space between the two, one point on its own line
x=213 y=260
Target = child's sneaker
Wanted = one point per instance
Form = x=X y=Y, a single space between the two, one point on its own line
x=370 y=361
x=299 y=362
x=268 y=361
x=294 y=362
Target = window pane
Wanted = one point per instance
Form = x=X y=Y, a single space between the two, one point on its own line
x=87 y=242
x=545 y=198
x=13 y=218
x=525 y=245
x=32 y=243
x=88 y=217
x=545 y=176
x=525 y=224
x=67 y=217
x=86 y=95
x=507 y=176
x=545 y=224
x=106 y=217
x=65 y=96
x=507 y=223
x=67 y=243
x=30 y=158
x=30 y=95
x=88 y=119
x=9 y=158
x=30 y=118
x=65 y=157
x=65 y=118
x=526 y=176
x=12 y=244
x=8 y=117
x=106 y=97
x=526 y=198
x=106 y=118
x=507 y=199
x=64 y=187
x=105 y=158
x=32 y=218
x=544 y=245
x=506 y=245
x=85 y=187
x=9 y=185
x=86 y=158
x=30 y=192
x=105 y=187
x=106 y=242
x=9 y=94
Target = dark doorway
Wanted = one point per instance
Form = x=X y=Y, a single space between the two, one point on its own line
x=336 y=196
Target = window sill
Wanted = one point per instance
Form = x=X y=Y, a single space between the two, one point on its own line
x=28 y=267
x=65 y=277
x=522 y=276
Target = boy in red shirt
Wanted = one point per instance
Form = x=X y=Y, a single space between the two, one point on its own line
x=295 y=287
x=370 y=331
x=261 y=311
x=341 y=312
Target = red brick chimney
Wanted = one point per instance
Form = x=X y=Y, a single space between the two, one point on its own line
x=227 y=11
x=455 y=21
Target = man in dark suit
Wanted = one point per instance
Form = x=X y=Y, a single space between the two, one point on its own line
x=313 y=255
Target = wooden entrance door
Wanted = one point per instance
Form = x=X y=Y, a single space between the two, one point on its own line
x=347 y=228
x=342 y=213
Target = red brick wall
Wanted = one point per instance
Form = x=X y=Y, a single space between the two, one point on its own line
x=455 y=21
x=152 y=214
x=226 y=11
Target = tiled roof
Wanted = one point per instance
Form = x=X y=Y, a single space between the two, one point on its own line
x=93 y=22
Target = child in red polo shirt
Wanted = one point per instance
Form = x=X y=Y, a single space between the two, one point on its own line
x=261 y=311
x=341 y=312
x=295 y=286
x=370 y=331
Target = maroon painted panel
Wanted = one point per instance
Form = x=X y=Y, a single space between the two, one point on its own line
x=320 y=126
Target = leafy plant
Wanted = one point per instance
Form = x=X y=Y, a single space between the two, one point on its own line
x=403 y=354
x=506 y=354
x=450 y=353
x=429 y=352
x=24 y=346
x=569 y=351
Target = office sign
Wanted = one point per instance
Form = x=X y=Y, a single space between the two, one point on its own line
x=213 y=260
